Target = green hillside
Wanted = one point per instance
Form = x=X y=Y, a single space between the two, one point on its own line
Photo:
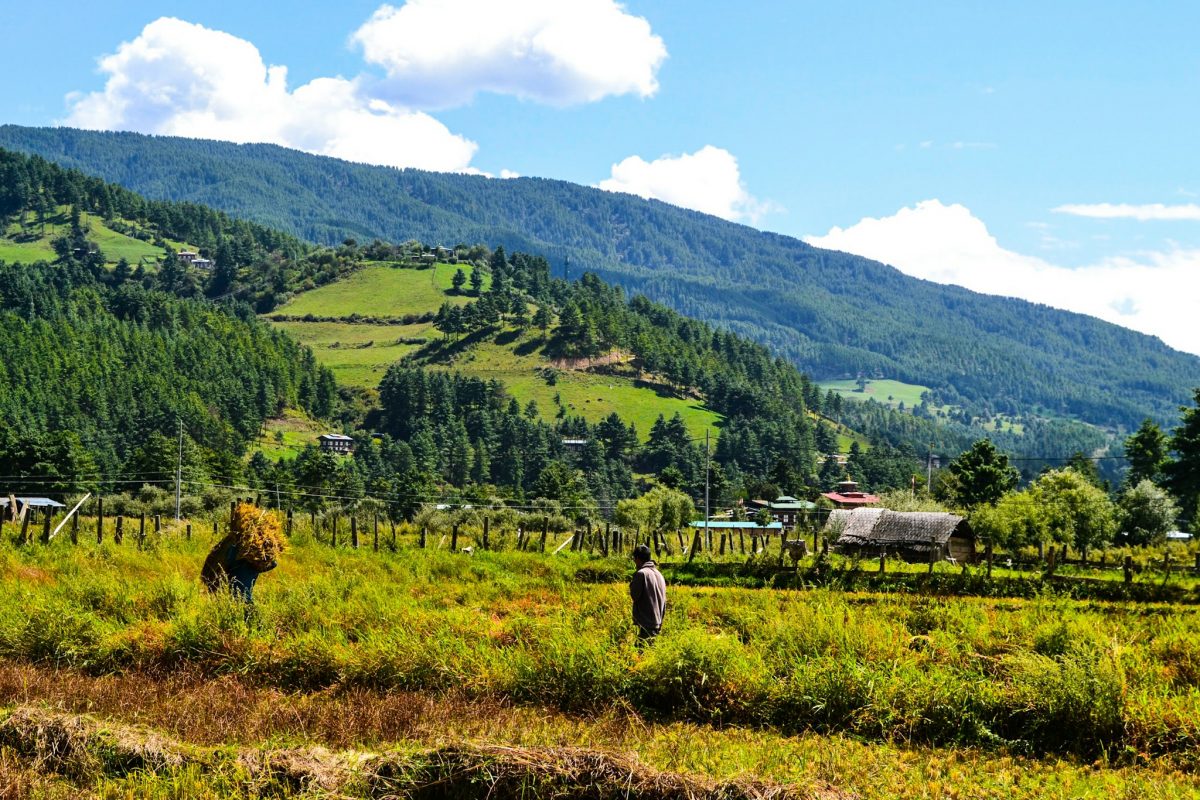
x=359 y=353
x=833 y=314
x=33 y=241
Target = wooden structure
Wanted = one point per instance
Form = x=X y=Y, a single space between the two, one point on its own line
x=916 y=536
x=785 y=510
x=336 y=443
x=848 y=495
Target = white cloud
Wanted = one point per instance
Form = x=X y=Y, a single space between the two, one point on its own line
x=183 y=79
x=1142 y=213
x=1153 y=292
x=708 y=180
x=439 y=53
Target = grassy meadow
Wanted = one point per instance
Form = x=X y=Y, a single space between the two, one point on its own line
x=36 y=245
x=407 y=653
x=360 y=353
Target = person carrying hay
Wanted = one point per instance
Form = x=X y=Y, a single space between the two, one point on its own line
x=251 y=548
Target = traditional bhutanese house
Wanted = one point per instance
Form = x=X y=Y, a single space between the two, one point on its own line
x=336 y=443
x=911 y=535
x=847 y=495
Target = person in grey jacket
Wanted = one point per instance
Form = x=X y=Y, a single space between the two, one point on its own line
x=648 y=591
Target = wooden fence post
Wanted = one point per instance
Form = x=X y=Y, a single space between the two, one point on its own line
x=1129 y=569
x=454 y=538
x=141 y=531
x=375 y=534
x=333 y=536
x=354 y=531
x=423 y=537
x=742 y=541
x=882 y=560
x=487 y=530
x=545 y=532
x=393 y=524
x=289 y=523
x=188 y=531
x=119 y=533
x=24 y=538
x=99 y=520
x=216 y=528
x=695 y=546
x=1166 y=567
x=157 y=524
x=933 y=554
x=47 y=517
x=75 y=528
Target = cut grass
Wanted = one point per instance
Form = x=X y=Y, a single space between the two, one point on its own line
x=381 y=290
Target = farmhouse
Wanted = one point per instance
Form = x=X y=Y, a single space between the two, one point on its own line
x=784 y=509
x=917 y=536
x=847 y=495
x=336 y=443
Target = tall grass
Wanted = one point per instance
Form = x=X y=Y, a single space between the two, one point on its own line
x=1038 y=676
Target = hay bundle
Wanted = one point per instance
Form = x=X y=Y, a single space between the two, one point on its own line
x=259 y=535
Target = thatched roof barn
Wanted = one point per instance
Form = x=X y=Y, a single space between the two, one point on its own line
x=912 y=535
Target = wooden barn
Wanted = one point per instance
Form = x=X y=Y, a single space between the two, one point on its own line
x=915 y=536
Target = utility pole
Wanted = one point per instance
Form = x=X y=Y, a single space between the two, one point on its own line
x=707 y=470
x=179 y=473
x=929 y=470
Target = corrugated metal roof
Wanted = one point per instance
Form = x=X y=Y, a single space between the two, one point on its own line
x=34 y=502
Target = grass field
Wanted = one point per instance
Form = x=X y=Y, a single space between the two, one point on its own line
x=396 y=659
x=381 y=290
x=359 y=355
x=114 y=245
x=287 y=435
x=888 y=392
x=589 y=395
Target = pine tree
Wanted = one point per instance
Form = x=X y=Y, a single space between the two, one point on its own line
x=1183 y=470
x=1146 y=450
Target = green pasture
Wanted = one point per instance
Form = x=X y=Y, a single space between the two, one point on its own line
x=586 y=394
x=359 y=355
x=114 y=245
x=381 y=290
x=888 y=392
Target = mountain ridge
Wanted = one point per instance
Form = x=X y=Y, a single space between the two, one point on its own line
x=832 y=313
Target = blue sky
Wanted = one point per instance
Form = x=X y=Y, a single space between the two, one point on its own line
x=1043 y=150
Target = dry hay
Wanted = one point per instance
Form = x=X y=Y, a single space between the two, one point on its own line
x=84 y=750
x=259 y=535
x=553 y=773
x=80 y=748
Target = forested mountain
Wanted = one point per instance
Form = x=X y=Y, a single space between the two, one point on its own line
x=98 y=374
x=832 y=313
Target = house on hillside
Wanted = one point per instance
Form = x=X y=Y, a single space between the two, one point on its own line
x=916 y=536
x=784 y=509
x=847 y=495
x=336 y=443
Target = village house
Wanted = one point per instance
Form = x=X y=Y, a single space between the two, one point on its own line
x=336 y=443
x=847 y=495
x=785 y=510
x=915 y=536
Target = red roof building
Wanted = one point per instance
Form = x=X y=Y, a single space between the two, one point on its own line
x=848 y=496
